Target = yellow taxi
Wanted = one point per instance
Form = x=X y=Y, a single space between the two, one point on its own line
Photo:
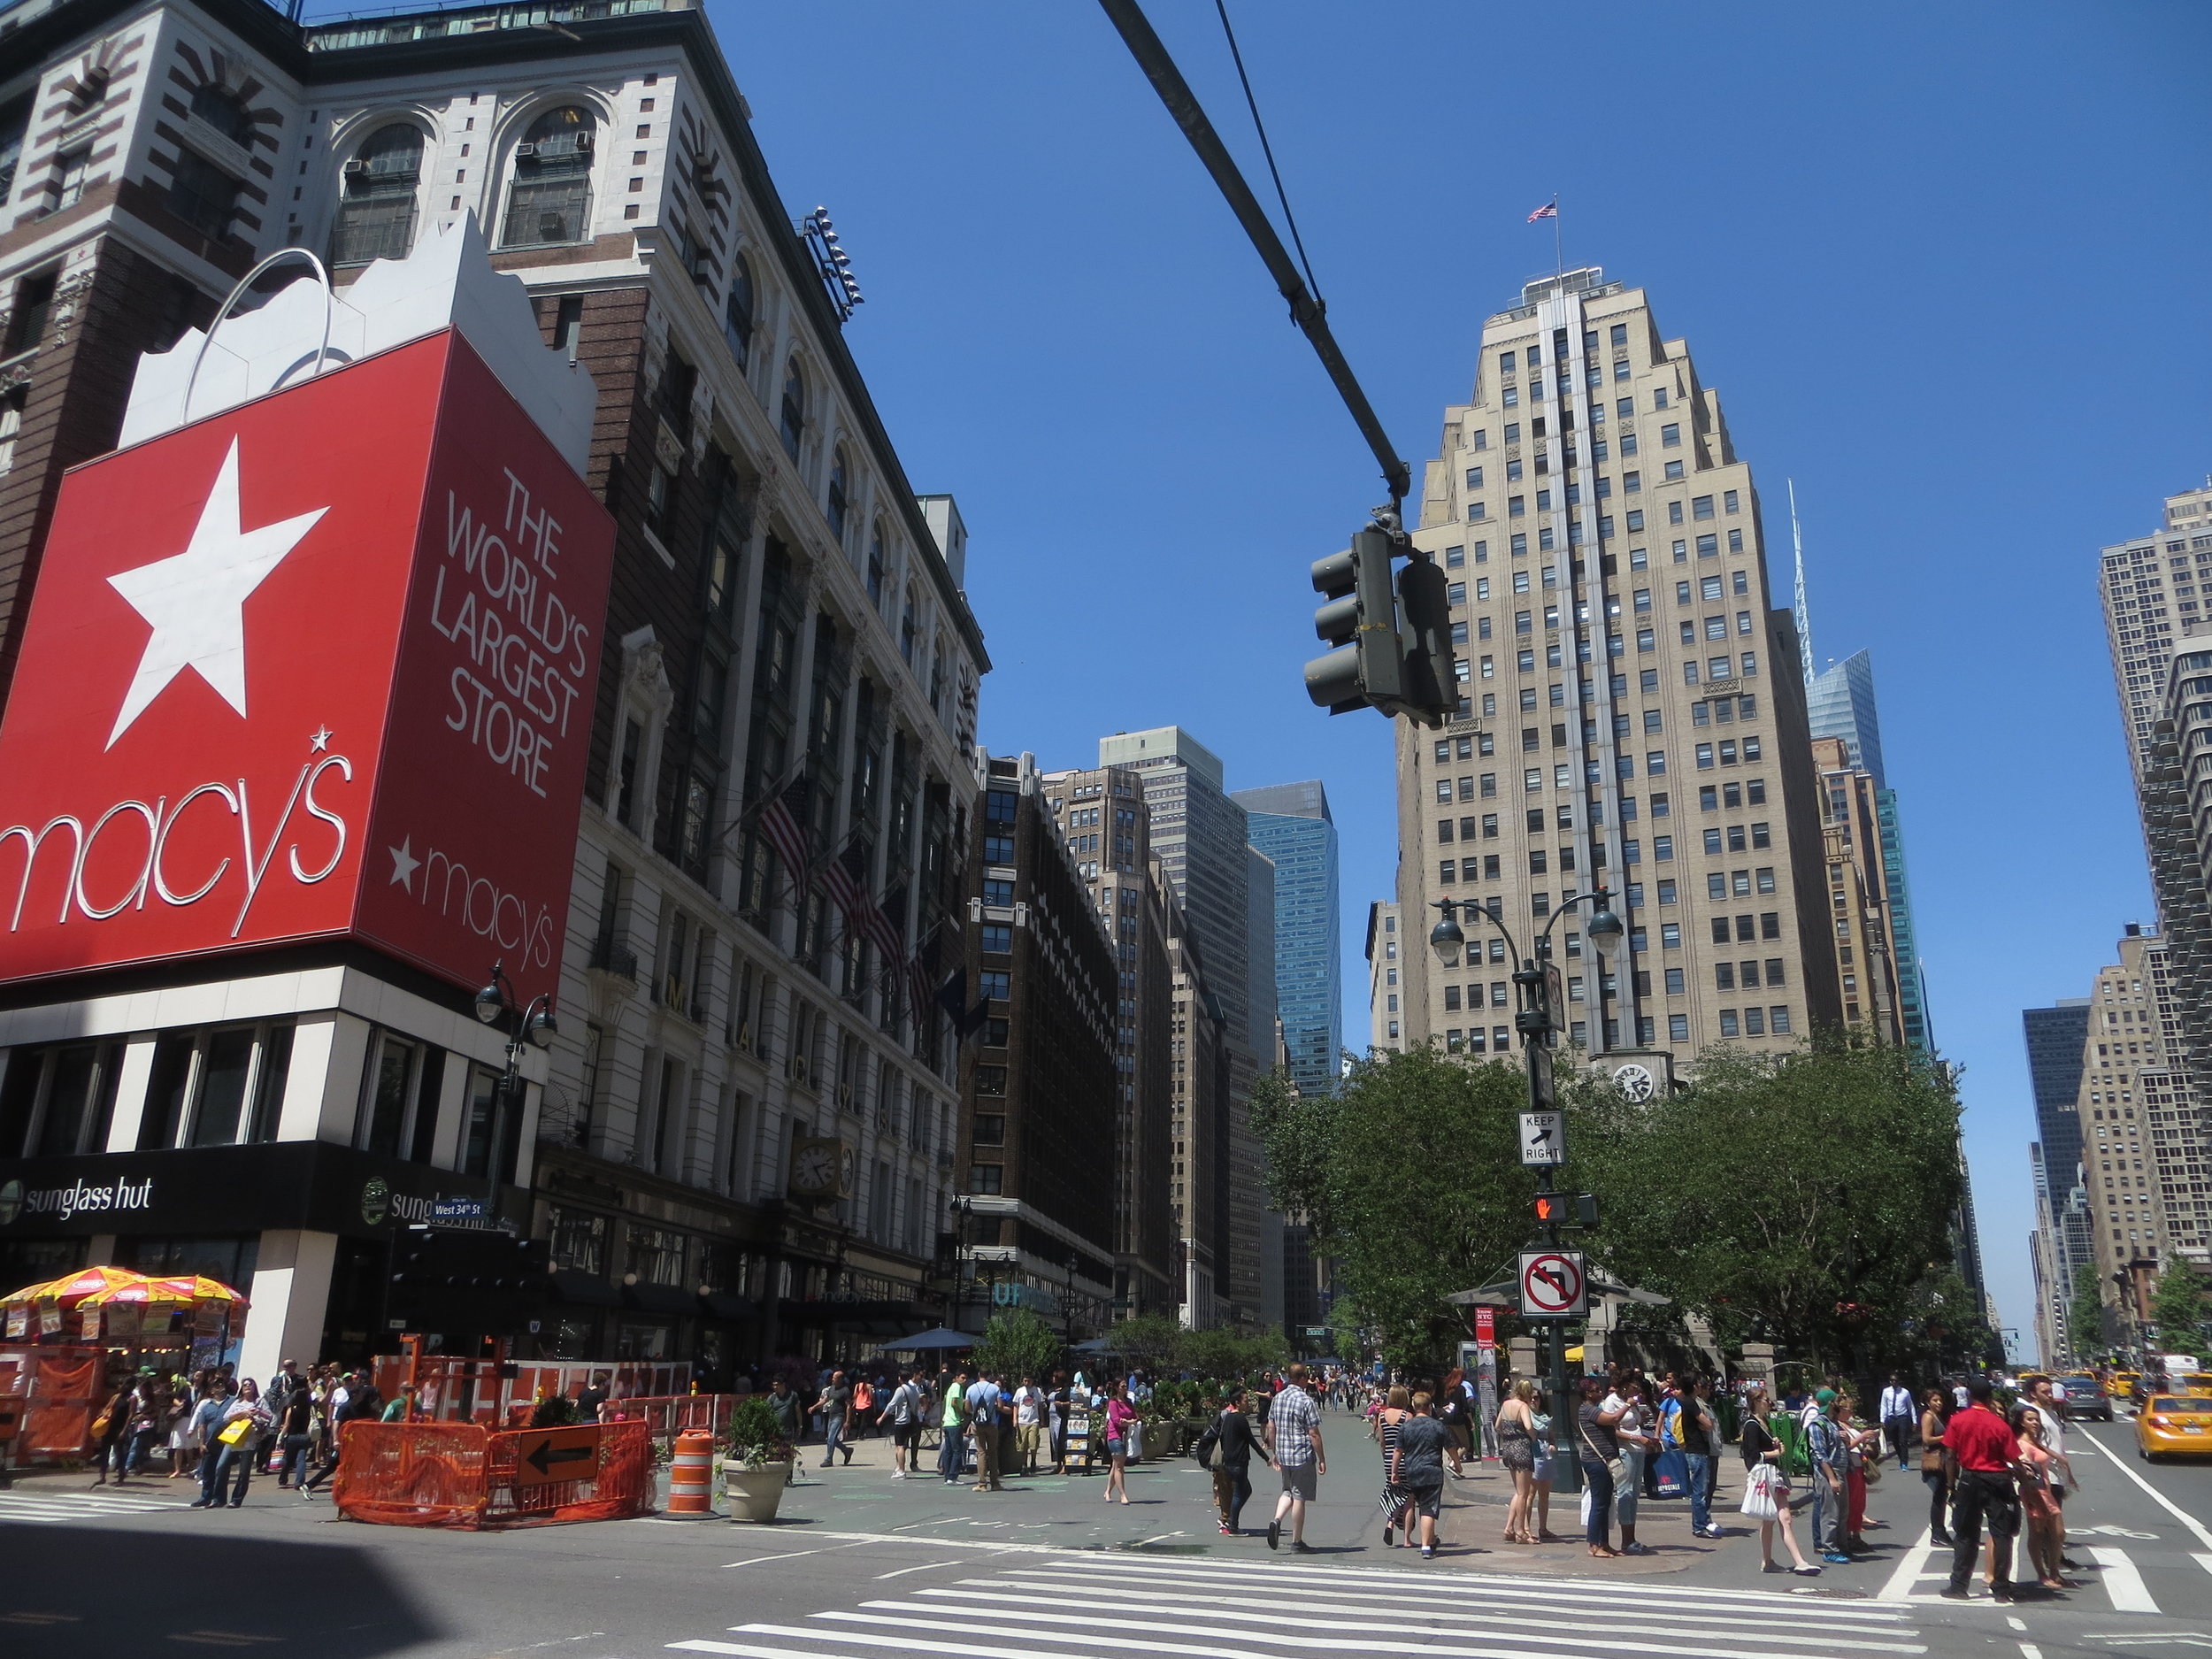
x=2174 y=1426
x=2126 y=1384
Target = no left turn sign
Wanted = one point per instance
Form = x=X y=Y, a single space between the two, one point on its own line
x=1552 y=1284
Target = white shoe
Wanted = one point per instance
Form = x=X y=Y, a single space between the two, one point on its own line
x=898 y=1474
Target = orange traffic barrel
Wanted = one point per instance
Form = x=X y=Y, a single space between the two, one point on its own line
x=691 y=1473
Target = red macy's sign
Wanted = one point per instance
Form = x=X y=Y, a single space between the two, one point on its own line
x=323 y=664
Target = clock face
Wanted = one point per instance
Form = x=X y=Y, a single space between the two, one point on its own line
x=1635 y=1083
x=814 y=1170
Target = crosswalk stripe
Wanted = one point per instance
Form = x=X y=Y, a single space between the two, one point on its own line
x=1092 y=1631
x=1253 y=1620
x=1304 y=1614
x=1461 y=1586
x=2121 y=1582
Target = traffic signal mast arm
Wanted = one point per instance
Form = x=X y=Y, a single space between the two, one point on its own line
x=1306 y=310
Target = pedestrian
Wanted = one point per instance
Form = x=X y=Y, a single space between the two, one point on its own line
x=1417 y=1468
x=902 y=1415
x=1232 y=1432
x=1766 y=1495
x=2039 y=1475
x=1938 y=1468
x=983 y=1427
x=835 y=1408
x=1451 y=1408
x=864 y=1410
x=1120 y=1415
x=1825 y=1446
x=237 y=1442
x=1539 y=1476
x=1397 y=1407
x=1896 y=1413
x=111 y=1429
x=1029 y=1407
x=783 y=1405
x=404 y=1404
x=1516 y=1451
x=1057 y=1404
x=1987 y=1452
x=207 y=1421
x=1635 y=1431
x=593 y=1394
x=1603 y=1471
x=1697 y=1436
x=1294 y=1439
x=355 y=1400
x=2042 y=1393
x=953 y=1428
x=293 y=1418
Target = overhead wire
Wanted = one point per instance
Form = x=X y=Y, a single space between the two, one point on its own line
x=1266 y=149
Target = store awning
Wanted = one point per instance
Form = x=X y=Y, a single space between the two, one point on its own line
x=587 y=1289
x=660 y=1298
x=723 y=1306
x=852 y=1315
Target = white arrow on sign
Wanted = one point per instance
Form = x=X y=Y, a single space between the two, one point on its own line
x=1551 y=1284
x=1543 y=1139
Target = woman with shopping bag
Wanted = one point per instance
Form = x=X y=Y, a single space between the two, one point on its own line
x=1766 y=1488
x=236 y=1440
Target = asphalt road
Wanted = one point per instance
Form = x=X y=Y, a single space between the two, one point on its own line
x=859 y=1567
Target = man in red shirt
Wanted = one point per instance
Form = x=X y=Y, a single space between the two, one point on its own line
x=1987 y=1453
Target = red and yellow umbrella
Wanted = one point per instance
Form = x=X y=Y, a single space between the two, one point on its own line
x=193 y=1289
x=72 y=1288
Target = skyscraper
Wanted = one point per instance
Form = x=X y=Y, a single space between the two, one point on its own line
x=1201 y=840
x=1290 y=823
x=1633 y=714
x=1839 y=703
x=2055 y=1037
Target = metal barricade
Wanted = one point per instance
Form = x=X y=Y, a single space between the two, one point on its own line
x=460 y=1475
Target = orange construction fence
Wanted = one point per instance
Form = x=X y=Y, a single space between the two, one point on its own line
x=471 y=1390
x=58 y=1392
x=462 y=1475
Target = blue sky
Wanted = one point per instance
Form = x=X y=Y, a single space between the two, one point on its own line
x=1944 y=265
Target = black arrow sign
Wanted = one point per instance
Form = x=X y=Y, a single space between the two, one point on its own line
x=545 y=1455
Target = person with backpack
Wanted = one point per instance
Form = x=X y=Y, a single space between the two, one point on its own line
x=1226 y=1448
x=1825 y=1446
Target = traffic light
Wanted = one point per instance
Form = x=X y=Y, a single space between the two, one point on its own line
x=1361 y=620
x=1587 y=1210
x=1551 y=1209
x=1563 y=1210
x=1394 y=648
x=1431 y=679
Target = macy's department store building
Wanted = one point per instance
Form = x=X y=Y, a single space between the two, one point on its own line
x=270 y=811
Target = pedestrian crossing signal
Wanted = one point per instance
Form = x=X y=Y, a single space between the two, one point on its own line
x=1549 y=1209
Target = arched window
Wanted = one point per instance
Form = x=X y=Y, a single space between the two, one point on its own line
x=875 y=568
x=839 y=497
x=223 y=111
x=549 y=200
x=376 y=215
x=794 y=408
x=737 y=316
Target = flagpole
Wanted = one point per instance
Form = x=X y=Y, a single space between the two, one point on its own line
x=1558 y=239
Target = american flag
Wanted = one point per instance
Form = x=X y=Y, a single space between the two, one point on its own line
x=886 y=927
x=921 y=977
x=783 y=822
x=1550 y=209
x=846 y=877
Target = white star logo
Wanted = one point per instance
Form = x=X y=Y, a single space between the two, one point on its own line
x=195 y=600
x=405 y=863
x=319 y=740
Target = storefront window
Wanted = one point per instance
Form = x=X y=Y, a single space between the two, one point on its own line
x=656 y=1255
x=633 y=1339
x=578 y=1241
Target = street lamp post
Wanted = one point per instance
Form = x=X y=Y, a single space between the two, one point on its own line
x=531 y=1025
x=1533 y=1019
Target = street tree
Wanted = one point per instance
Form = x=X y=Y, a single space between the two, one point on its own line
x=1805 y=1196
x=2177 y=1304
x=1018 y=1343
x=2085 y=1319
x=1411 y=1176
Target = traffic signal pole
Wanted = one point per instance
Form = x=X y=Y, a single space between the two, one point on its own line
x=1306 y=310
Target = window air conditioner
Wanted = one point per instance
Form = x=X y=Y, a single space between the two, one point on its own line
x=356 y=167
x=526 y=151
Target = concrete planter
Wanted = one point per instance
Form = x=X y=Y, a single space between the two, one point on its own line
x=754 y=1494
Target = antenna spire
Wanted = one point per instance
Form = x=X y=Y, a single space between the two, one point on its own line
x=1804 y=614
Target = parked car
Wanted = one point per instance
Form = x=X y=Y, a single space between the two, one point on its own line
x=2174 y=1425
x=2083 y=1396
